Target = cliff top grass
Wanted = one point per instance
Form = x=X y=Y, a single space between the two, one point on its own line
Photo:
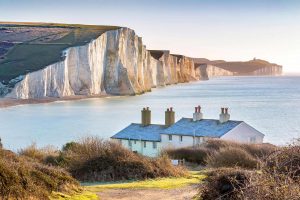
x=244 y=67
x=238 y=67
x=26 y=47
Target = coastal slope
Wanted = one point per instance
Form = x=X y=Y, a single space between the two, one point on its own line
x=255 y=67
x=58 y=60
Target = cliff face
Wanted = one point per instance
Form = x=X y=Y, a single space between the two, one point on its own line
x=274 y=70
x=255 y=67
x=205 y=72
x=115 y=63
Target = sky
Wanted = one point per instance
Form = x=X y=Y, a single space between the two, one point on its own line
x=233 y=30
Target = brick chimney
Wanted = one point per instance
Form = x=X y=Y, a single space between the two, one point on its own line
x=169 y=117
x=224 y=116
x=197 y=116
x=146 y=116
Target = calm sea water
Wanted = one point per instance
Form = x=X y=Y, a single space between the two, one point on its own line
x=270 y=104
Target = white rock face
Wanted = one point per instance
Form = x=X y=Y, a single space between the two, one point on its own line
x=205 y=72
x=115 y=63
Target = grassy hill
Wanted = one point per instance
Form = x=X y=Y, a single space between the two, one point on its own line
x=244 y=67
x=237 y=67
x=27 y=47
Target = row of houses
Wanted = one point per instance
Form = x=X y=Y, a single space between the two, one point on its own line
x=149 y=139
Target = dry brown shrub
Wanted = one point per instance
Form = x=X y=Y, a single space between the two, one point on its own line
x=38 y=154
x=238 y=184
x=225 y=184
x=232 y=157
x=278 y=178
x=22 y=178
x=94 y=159
x=284 y=161
x=251 y=154
x=194 y=155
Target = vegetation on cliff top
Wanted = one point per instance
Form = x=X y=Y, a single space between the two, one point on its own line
x=28 y=47
x=237 y=67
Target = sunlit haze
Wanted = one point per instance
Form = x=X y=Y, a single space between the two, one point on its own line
x=229 y=30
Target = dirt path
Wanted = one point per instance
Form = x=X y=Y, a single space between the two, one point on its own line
x=184 y=193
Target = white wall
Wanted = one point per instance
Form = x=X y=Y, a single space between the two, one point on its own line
x=187 y=141
x=243 y=134
x=137 y=145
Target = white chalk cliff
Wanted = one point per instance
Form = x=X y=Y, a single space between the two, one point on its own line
x=116 y=63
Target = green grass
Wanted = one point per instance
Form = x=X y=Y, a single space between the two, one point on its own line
x=32 y=56
x=82 y=196
x=161 y=183
x=25 y=58
x=90 y=191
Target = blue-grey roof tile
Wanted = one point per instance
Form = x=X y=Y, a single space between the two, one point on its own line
x=204 y=127
x=139 y=132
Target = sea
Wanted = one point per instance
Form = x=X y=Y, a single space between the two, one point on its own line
x=269 y=104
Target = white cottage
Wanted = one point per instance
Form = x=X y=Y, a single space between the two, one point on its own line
x=148 y=139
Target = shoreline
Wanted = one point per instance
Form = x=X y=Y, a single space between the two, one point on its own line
x=10 y=102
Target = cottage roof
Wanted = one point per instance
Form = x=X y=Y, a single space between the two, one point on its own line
x=202 y=128
x=138 y=132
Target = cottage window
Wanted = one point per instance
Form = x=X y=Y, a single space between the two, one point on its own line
x=129 y=143
x=154 y=145
x=170 y=137
x=134 y=141
x=180 y=138
x=145 y=144
x=252 y=139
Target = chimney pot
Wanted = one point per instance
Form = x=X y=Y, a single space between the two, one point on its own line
x=196 y=109
x=224 y=116
x=146 y=116
x=222 y=111
x=169 y=117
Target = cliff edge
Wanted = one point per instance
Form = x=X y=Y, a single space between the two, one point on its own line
x=61 y=60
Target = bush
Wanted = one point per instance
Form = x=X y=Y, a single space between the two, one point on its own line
x=37 y=154
x=194 y=155
x=251 y=154
x=27 y=179
x=232 y=157
x=259 y=150
x=236 y=184
x=225 y=184
x=93 y=159
x=285 y=161
x=278 y=178
x=256 y=150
